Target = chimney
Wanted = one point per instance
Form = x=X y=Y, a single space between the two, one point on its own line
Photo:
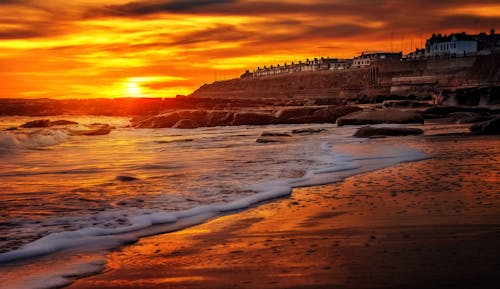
x=492 y=31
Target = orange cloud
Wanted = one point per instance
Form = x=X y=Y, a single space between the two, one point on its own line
x=161 y=48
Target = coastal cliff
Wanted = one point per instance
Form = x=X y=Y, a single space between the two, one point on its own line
x=421 y=79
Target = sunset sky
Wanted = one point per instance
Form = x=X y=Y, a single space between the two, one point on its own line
x=161 y=48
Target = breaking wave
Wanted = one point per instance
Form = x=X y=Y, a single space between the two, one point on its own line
x=34 y=139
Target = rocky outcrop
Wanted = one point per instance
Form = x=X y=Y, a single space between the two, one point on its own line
x=93 y=132
x=159 y=121
x=332 y=113
x=267 y=140
x=315 y=114
x=252 y=118
x=462 y=117
x=37 y=123
x=271 y=137
x=406 y=103
x=368 y=131
x=308 y=130
x=444 y=111
x=62 y=122
x=47 y=123
x=274 y=134
x=220 y=118
x=487 y=127
x=210 y=118
x=200 y=117
x=380 y=116
x=126 y=178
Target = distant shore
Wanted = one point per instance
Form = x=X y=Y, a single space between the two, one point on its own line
x=427 y=224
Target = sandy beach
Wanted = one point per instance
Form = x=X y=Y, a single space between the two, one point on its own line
x=428 y=224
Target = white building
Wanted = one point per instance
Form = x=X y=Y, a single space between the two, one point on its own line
x=454 y=45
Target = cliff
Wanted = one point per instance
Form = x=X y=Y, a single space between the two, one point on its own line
x=420 y=79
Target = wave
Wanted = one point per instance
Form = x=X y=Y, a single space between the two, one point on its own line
x=34 y=139
x=100 y=239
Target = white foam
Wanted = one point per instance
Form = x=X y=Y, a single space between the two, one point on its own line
x=69 y=270
x=34 y=139
x=338 y=166
x=342 y=166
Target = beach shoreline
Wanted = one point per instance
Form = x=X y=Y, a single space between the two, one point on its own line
x=432 y=223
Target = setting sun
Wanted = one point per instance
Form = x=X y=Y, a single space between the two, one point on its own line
x=86 y=49
x=132 y=89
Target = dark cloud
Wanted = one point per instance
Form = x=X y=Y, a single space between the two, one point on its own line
x=463 y=21
x=152 y=7
x=220 y=33
x=19 y=33
x=2 y=2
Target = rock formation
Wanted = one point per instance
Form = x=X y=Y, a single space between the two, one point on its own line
x=368 y=131
x=380 y=116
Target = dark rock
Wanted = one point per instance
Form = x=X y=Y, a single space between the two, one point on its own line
x=11 y=128
x=275 y=134
x=220 y=118
x=462 y=117
x=93 y=132
x=443 y=111
x=330 y=114
x=286 y=113
x=37 y=123
x=467 y=117
x=159 y=121
x=368 y=131
x=62 y=122
x=268 y=140
x=487 y=127
x=200 y=117
x=186 y=124
x=126 y=178
x=380 y=116
x=406 y=103
x=101 y=125
x=252 y=118
x=308 y=130
x=299 y=115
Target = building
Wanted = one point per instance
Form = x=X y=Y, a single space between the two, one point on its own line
x=309 y=65
x=453 y=45
x=368 y=58
x=246 y=74
x=418 y=54
x=488 y=43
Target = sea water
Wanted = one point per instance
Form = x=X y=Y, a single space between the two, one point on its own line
x=77 y=196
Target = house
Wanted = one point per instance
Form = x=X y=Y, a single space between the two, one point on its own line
x=488 y=43
x=418 y=54
x=246 y=74
x=453 y=45
x=309 y=65
x=368 y=58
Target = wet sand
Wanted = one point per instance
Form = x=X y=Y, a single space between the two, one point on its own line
x=428 y=224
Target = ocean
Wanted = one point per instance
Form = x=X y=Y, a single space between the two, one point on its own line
x=65 y=199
